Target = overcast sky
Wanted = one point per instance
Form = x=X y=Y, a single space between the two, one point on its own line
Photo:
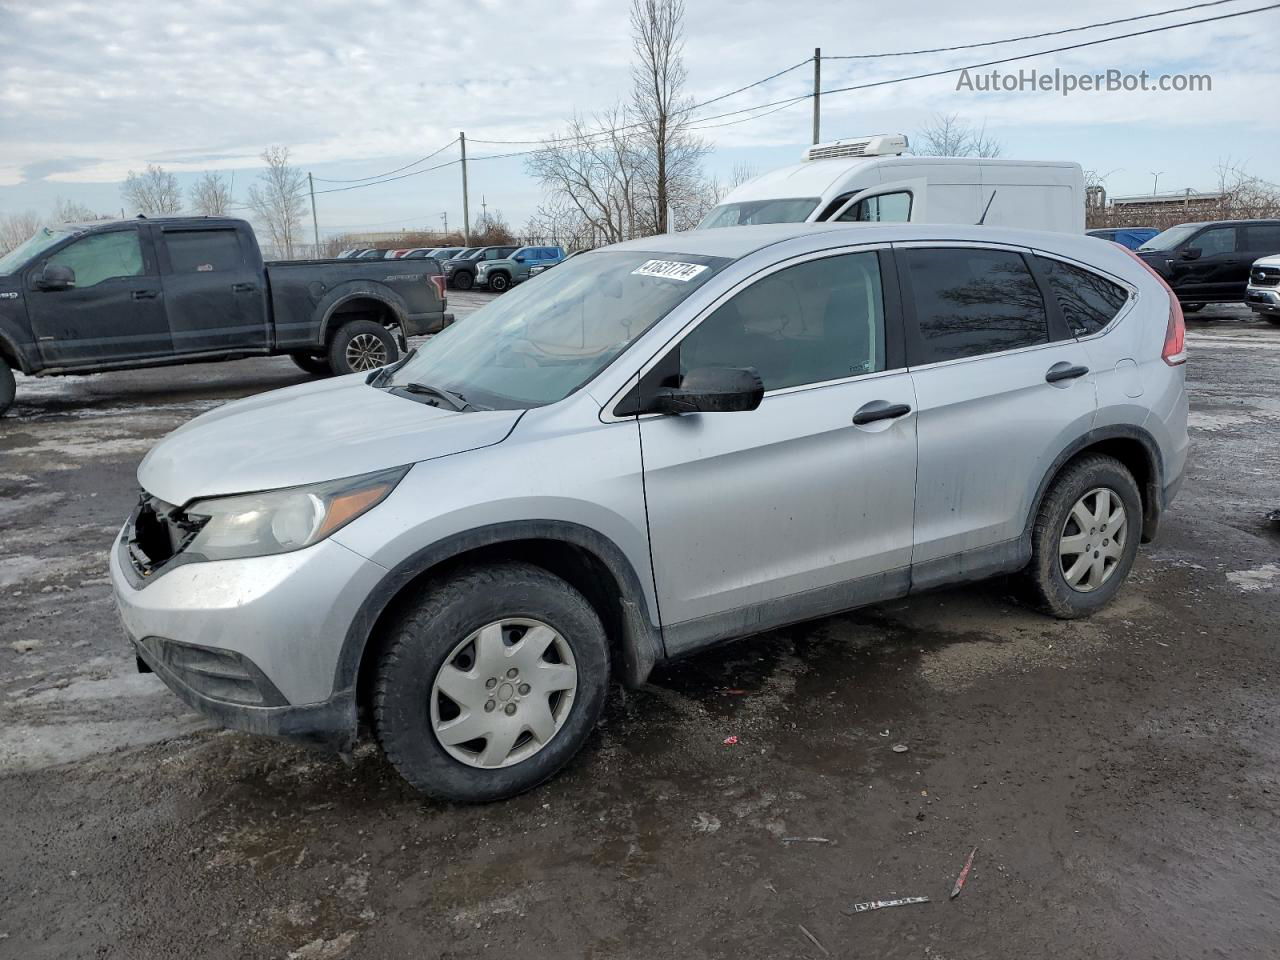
x=91 y=90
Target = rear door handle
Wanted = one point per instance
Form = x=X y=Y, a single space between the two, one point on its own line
x=145 y=294
x=1064 y=371
x=243 y=287
x=879 y=410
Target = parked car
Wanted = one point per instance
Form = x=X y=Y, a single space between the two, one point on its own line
x=544 y=267
x=1209 y=262
x=869 y=180
x=460 y=271
x=351 y=252
x=1131 y=237
x=117 y=295
x=829 y=418
x=502 y=275
x=439 y=254
x=375 y=253
x=1263 y=292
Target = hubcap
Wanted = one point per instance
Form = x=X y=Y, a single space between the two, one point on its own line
x=1092 y=540
x=366 y=352
x=503 y=693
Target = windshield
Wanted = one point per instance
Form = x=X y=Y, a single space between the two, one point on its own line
x=542 y=341
x=777 y=210
x=1170 y=238
x=469 y=254
x=36 y=244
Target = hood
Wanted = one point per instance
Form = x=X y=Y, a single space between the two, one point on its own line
x=1159 y=260
x=1269 y=261
x=307 y=434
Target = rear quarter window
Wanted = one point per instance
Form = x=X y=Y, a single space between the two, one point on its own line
x=1088 y=300
x=203 y=251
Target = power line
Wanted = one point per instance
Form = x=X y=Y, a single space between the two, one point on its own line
x=375 y=176
x=403 y=176
x=1029 y=36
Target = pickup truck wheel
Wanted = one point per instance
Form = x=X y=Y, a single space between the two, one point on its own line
x=1192 y=307
x=1085 y=537
x=491 y=683
x=360 y=346
x=463 y=280
x=8 y=387
x=315 y=364
x=499 y=282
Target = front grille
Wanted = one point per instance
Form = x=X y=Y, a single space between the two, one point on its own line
x=159 y=532
x=1265 y=276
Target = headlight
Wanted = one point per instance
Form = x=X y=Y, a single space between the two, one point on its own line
x=278 y=521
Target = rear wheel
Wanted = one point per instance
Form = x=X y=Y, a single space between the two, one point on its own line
x=1273 y=318
x=491 y=683
x=1192 y=307
x=463 y=280
x=499 y=282
x=360 y=346
x=1085 y=538
x=315 y=364
x=8 y=387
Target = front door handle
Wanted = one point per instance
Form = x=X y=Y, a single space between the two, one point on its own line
x=1064 y=371
x=879 y=410
x=145 y=294
x=243 y=287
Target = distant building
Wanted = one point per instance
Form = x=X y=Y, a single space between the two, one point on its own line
x=1184 y=205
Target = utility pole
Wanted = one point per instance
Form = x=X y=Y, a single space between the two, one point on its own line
x=484 y=209
x=444 y=215
x=315 y=224
x=1156 y=182
x=817 y=92
x=466 y=213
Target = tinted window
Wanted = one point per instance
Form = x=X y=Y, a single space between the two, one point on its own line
x=969 y=302
x=1088 y=301
x=203 y=251
x=888 y=207
x=1263 y=238
x=816 y=321
x=102 y=256
x=1216 y=240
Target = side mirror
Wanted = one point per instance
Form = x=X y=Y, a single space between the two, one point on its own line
x=518 y=259
x=55 y=276
x=1190 y=253
x=711 y=390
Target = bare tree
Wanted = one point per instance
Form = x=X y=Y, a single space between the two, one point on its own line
x=491 y=229
x=211 y=196
x=72 y=211
x=1244 y=196
x=277 y=200
x=154 y=193
x=15 y=228
x=949 y=135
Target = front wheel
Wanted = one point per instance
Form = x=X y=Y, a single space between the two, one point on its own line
x=8 y=387
x=491 y=683
x=499 y=282
x=463 y=280
x=1085 y=537
x=1272 y=318
x=1192 y=307
x=360 y=346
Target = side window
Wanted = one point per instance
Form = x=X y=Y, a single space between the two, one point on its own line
x=887 y=207
x=103 y=256
x=1264 y=238
x=816 y=321
x=203 y=251
x=970 y=302
x=1216 y=240
x=1088 y=301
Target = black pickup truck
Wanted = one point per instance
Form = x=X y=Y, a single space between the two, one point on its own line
x=118 y=295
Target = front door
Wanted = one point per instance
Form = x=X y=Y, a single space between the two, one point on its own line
x=1211 y=275
x=1000 y=392
x=791 y=510
x=115 y=310
x=214 y=294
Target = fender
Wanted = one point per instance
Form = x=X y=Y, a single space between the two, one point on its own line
x=641 y=639
x=344 y=293
x=21 y=359
x=1153 y=496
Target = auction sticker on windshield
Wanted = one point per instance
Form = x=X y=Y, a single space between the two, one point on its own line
x=670 y=269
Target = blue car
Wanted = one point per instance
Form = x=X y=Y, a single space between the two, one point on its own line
x=1131 y=237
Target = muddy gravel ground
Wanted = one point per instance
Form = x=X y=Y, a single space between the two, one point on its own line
x=1118 y=776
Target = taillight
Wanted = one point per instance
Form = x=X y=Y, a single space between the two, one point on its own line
x=438 y=282
x=1174 y=351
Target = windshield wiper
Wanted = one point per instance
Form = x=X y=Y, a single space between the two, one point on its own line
x=455 y=400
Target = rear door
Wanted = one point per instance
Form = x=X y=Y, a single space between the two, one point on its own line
x=213 y=289
x=113 y=313
x=790 y=510
x=1001 y=389
x=1259 y=240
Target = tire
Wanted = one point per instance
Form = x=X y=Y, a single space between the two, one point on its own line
x=499 y=282
x=8 y=387
x=1192 y=307
x=463 y=279
x=441 y=637
x=1271 y=318
x=316 y=365
x=1079 y=485
x=360 y=346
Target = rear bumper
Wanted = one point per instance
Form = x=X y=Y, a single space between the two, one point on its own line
x=421 y=324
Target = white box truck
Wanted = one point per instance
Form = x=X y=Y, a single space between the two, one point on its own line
x=871 y=179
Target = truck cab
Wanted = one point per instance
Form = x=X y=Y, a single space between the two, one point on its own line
x=871 y=179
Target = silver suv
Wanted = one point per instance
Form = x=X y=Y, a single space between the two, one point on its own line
x=658 y=446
